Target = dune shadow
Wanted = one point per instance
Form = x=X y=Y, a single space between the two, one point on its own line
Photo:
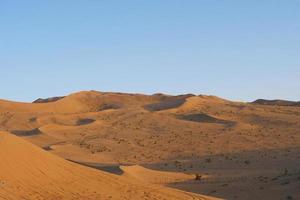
x=204 y=118
x=168 y=102
x=23 y=133
x=85 y=121
x=113 y=169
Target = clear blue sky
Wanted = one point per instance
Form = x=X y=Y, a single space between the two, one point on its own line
x=240 y=50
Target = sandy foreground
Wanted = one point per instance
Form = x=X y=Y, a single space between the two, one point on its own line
x=28 y=172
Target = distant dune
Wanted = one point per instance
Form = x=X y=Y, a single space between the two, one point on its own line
x=47 y=100
x=277 y=102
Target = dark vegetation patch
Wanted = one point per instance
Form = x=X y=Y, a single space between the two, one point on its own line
x=33 y=119
x=35 y=131
x=47 y=148
x=47 y=100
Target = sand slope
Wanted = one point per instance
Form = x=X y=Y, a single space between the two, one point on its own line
x=155 y=177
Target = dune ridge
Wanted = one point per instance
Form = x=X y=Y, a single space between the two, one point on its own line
x=277 y=102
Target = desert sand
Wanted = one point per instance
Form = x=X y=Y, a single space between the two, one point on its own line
x=92 y=145
x=28 y=172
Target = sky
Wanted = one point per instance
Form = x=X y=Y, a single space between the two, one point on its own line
x=239 y=50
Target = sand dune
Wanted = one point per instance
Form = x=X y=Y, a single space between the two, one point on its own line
x=155 y=177
x=233 y=144
x=27 y=172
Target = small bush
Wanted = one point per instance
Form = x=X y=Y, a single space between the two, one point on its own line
x=198 y=177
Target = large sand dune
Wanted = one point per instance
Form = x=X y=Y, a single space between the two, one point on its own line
x=241 y=150
x=27 y=172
